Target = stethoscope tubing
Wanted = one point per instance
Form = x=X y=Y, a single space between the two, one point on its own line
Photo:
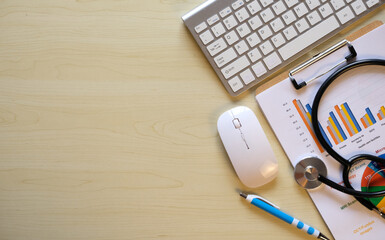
x=347 y=164
x=318 y=97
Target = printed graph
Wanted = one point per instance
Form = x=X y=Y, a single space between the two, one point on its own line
x=340 y=124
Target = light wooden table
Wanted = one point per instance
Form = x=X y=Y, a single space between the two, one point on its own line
x=108 y=117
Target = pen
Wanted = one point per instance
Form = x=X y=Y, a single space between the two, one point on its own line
x=274 y=210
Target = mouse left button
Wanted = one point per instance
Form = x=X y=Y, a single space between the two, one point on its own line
x=237 y=123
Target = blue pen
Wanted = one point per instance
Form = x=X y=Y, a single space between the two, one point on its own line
x=274 y=210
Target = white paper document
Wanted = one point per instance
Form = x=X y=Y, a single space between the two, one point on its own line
x=352 y=120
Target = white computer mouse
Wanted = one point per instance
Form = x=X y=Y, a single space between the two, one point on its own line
x=247 y=147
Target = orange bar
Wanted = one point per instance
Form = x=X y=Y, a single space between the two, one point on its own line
x=331 y=134
x=379 y=116
x=308 y=126
x=343 y=120
x=363 y=123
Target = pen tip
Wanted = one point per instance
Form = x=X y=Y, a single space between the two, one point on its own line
x=243 y=195
x=322 y=237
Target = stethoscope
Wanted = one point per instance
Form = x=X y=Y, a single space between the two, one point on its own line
x=310 y=172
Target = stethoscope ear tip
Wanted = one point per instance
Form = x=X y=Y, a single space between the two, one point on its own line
x=307 y=170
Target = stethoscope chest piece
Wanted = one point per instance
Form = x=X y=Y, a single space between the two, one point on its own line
x=307 y=170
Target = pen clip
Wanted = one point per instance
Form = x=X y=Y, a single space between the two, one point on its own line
x=266 y=201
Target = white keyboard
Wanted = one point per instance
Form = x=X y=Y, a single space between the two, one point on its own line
x=245 y=41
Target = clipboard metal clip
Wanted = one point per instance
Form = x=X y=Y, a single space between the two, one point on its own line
x=318 y=57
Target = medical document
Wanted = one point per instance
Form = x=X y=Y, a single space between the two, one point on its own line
x=352 y=119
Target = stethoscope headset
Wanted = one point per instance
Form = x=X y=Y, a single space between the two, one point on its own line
x=311 y=172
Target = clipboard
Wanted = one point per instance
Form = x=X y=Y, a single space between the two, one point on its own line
x=287 y=111
x=350 y=37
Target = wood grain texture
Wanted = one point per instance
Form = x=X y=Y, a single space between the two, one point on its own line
x=108 y=117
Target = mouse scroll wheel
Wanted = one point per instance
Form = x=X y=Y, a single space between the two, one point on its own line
x=237 y=123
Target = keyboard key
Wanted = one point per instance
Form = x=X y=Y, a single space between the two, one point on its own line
x=325 y=10
x=371 y=3
x=279 y=7
x=312 y=4
x=345 y=15
x=225 y=57
x=242 y=15
x=253 y=39
x=218 y=29
x=290 y=32
x=277 y=24
x=266 y=3
x=289 y=17
x=225 y=12
x=235 y=67
x=247 y=76
x=301 y=9
x=206 y=37
x=237 y=4
x=265 y=32
x=255 y=22
x=254 y=55
x=235 y=84
x=302 y=25
x=337 y=4
x=266 y=47
x=254 y=7
x=272 y=60
x=230 y=22
x=313 y=17
x=216 y=47
x=278 y=40
x=291 y=3
x=358 y=7
x=243 y=30
x=259 y=69
x=213 y=19
x=309 y=37
x=199 y=28
x=231 y=37
x=241 y=47
x=267 y=15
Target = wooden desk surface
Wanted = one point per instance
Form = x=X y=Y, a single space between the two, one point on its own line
x=108 y=117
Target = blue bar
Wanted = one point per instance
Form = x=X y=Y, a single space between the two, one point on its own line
x=370 y=115
x=308 y=108
x=324 y=135
x=322 y=130
x=338 y=125
x=352 y=117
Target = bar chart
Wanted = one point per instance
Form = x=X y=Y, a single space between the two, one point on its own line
x=340 y=124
